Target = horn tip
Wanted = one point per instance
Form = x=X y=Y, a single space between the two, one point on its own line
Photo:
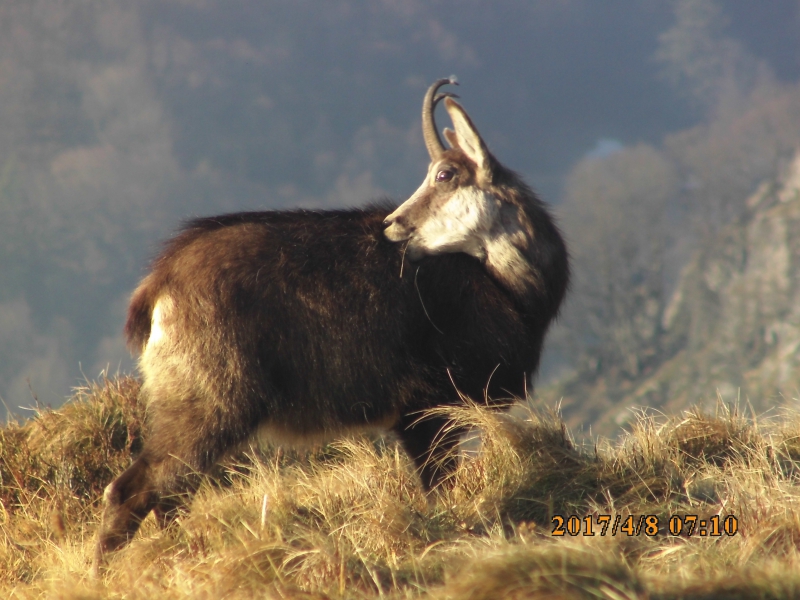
x=452 y=80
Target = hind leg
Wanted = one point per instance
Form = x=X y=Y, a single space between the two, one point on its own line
x=185 y=441
x=153 y=482
x=128 y=500
x=430 y=444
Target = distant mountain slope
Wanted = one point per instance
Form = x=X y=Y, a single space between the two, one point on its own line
x=731 y=328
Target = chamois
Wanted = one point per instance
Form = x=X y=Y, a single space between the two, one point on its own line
x=309 y=324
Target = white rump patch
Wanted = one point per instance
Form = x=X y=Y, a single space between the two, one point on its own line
x=157 y=332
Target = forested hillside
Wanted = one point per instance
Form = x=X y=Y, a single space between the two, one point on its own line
x=684 y=264
x=647 y=126
x=729 y=329
x=666 y=135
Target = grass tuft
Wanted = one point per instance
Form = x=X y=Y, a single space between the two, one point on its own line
x=350 y=520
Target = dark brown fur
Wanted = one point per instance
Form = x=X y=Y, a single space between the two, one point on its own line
x=309 y=324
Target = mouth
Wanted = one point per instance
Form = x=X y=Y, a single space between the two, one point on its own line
x=395 y=232
x=398 y=234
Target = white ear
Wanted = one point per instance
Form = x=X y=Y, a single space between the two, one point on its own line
x=467 y=137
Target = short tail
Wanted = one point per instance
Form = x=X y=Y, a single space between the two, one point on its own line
x=140 y=313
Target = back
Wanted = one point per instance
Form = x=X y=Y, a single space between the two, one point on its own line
x=309 y=310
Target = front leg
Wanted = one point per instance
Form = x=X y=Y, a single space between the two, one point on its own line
x=430 y=442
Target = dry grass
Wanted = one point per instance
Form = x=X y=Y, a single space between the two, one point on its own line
x=350 y=520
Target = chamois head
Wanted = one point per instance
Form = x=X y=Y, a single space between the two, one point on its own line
x=468 y=202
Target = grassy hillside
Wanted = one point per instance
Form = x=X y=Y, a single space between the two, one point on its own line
x=350 y=520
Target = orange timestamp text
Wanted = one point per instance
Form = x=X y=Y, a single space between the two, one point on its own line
x=649 y=525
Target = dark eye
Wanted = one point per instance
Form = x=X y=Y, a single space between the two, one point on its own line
x=444 y=175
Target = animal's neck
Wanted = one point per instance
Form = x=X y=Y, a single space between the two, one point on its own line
x=507 y=245
x=510 y=266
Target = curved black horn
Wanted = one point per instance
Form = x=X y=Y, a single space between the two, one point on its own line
x=432 y=140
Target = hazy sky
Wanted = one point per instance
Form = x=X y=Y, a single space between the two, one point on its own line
x=120 y=119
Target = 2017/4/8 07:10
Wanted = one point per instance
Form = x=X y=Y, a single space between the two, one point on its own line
x=649 y=525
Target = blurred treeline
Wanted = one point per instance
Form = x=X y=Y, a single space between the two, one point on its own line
x=635 y=215
x=120 y=119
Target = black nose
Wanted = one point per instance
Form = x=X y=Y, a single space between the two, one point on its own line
x=388 y=221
